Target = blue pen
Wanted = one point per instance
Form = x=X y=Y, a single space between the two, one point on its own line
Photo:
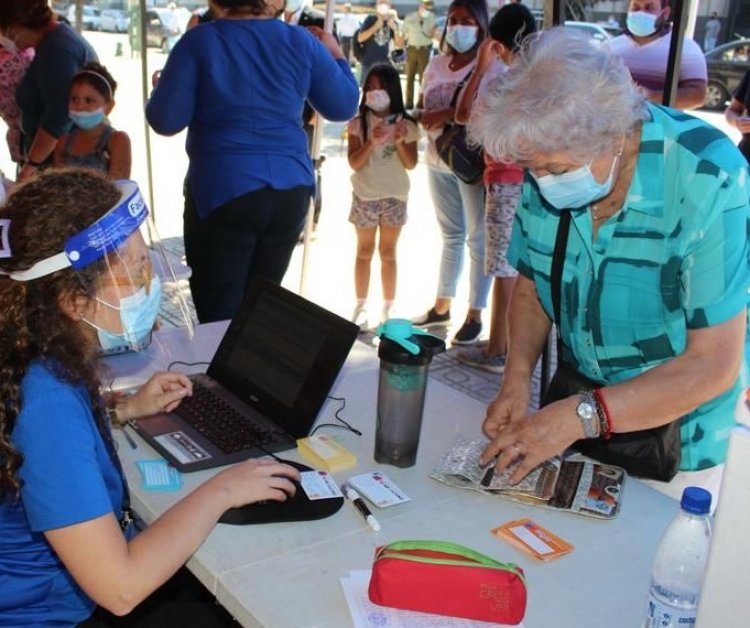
x=128 y=437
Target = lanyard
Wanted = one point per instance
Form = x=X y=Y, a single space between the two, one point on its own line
x=126 y=518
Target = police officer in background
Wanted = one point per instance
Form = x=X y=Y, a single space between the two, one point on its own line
x=418 y=29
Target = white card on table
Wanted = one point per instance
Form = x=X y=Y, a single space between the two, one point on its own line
x=378 y=489
x=319 y=485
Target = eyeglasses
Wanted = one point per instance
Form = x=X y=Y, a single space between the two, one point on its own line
x=140 y=279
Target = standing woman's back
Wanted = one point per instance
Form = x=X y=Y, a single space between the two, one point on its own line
x=239 y=85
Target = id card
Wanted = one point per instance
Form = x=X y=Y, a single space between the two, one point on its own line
x=319 y=485
x=533 y=539
x=379 y=489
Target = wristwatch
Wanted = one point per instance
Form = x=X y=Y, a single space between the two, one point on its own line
x=587 y=412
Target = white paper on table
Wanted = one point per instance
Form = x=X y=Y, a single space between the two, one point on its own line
x=365 y=614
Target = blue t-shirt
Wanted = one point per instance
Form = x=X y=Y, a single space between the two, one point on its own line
x=68 y=477
x=240 y=86
x=42 y=94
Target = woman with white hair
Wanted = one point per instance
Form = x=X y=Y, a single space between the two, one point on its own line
x=652 y=293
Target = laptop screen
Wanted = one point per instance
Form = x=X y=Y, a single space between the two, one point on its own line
x=279 y=359
x=281 y=354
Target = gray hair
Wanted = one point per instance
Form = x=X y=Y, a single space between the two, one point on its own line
x=561 y=94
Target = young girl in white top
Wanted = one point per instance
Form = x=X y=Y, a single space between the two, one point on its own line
x=382 y=147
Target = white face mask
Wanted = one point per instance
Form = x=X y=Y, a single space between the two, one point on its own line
x=378 y=100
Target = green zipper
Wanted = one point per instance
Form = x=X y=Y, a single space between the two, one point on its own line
x=468 y=556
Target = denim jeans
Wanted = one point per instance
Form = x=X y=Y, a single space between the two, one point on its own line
x=460 y=212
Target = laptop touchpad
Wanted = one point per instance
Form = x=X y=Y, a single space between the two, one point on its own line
x=158 y=424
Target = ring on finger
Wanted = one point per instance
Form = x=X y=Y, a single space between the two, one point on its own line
x=518 y=448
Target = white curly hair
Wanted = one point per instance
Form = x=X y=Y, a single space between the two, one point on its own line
x=561 y=94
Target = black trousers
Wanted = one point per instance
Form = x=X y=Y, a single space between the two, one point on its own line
x=346 y=47
x=253 y=234
x=181 y=602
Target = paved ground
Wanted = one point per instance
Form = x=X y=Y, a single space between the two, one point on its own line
x=331 y=253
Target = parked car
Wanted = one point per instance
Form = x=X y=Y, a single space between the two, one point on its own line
x=91 y=19
x=114 y=21
x=162 y=29
x=596 y=32
x=726 y=65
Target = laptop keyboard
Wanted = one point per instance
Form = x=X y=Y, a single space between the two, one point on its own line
x=220 y=423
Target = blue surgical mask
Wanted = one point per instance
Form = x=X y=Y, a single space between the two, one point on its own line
x=461 y=37
x=576 y=188
x=138 y=314
x=87 y=119
x=641 y=24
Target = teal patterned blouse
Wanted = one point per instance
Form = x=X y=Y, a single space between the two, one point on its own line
x=675 y=258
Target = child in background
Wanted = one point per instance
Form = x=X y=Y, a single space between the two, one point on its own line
x=382 y=147
x=93 y=143
x=508 y=28
x=13 y=64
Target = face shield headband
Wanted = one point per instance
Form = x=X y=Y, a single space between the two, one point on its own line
x=102 y=237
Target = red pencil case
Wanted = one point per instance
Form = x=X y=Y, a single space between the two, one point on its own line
x=447 y=579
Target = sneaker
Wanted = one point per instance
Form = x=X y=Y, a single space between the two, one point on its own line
x=468 y=333
x=478 y=358
x=359 y=318
x=433 y=319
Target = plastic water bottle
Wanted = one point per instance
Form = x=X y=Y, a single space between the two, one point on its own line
x=680 y=564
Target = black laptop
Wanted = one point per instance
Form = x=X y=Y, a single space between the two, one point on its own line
x=264 y=387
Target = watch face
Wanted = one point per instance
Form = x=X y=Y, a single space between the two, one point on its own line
x=585 y=410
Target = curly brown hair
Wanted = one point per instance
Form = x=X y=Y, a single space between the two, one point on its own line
x=44 y=212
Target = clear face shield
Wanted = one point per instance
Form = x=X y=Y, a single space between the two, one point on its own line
x=123 y=267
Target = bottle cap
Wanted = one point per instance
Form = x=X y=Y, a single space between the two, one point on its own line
x=696 y=500
x=402 y=343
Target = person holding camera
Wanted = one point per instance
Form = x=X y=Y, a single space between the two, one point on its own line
x=375 y=37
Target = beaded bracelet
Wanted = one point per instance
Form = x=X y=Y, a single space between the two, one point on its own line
x=606 y=427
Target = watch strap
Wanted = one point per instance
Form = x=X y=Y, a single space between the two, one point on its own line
x=590 y=423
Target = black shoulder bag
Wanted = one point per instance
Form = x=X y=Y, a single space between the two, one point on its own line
x=652 y=453
x=465 y=159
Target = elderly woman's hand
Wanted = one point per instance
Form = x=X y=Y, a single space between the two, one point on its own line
x=328 y=41
x=535 y=438
x=510 y=405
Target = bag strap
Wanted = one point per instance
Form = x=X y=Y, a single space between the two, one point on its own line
x=459 y=87
x=464 y=555
x=556 y=272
